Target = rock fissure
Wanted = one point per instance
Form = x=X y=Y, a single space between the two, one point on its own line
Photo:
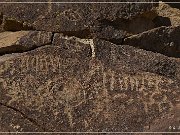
x=23 y=41
x=14 y=25
x=34 y=122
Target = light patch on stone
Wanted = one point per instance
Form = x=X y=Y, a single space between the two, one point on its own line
x=9 y=38
x=84 y=41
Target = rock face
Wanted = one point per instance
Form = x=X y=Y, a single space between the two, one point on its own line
x=163 y=40
x=88 y=68
x=114 y=90
x=77 y=19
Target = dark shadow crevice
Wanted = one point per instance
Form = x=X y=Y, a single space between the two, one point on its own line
x=1 y=18
x=114 y=41
x=52 y=38
x=161 y=40
x=14 y=25
x=138 y=24
x=161 y=21
x=17 y=49
x=86 y=33
x=170 y=52
x=117 y=30
x=22 y=49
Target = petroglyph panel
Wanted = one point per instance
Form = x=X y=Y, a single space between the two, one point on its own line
x=66 y=88
x=40 y=63
x=36 y=38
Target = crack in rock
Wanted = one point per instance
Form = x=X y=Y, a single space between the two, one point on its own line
x=22 y=41
x=1 y=18
x=14 y=25
x=34 y=122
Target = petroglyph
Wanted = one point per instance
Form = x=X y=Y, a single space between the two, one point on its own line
x=72 y=91
x=125 y=82
x=146 y=85
x=139 y=82
x=5 y=66
x=69 y=93
x=99 y=83
x=3 y=83
x=72 y=15
x=40 y=63
x=41 y=37
x=68 y=112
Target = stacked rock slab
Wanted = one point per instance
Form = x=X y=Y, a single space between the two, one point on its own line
x=11 y=42
x=163 y=40
x=76 y=19
x=77 y=82
x=173 y=14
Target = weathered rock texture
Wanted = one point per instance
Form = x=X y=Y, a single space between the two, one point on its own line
x=163 y=40
x=167 y=11
x=89 y=68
